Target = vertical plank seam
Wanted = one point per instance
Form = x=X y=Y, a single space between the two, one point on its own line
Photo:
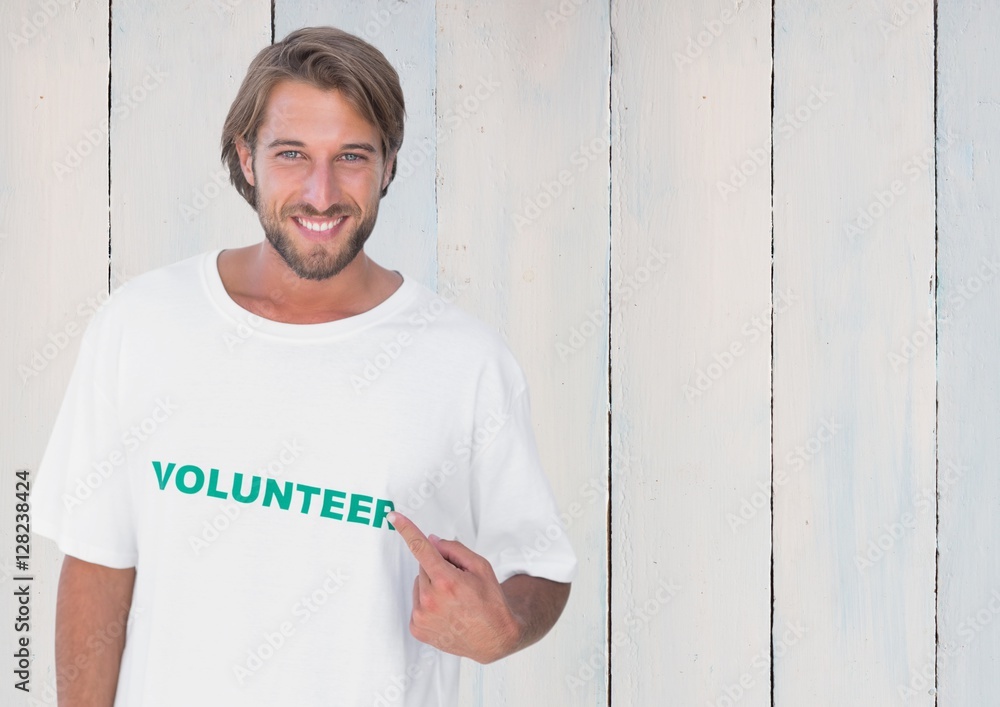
x=937 y=509
x=111 y=64
x=611 y=68
x=437 y=162
x=770 y=632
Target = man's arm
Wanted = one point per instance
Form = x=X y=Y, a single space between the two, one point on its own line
x=461 y=608
x=91 y=617
x=536 y=603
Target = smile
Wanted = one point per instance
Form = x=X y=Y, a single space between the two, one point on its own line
x=318 y=226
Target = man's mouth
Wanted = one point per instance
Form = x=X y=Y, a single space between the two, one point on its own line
x=318 y=226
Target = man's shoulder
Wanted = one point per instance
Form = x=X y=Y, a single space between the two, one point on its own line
x=158 y=286
x=180 y=273
x=445 y=313
x=457 y=334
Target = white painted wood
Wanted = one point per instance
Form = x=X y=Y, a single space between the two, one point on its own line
x=53 y=268
x=968 y=298
x=853 y=430
x=406 y=232
x=518 y=99
x=516 y=201
x=690 y=590
x=176 y=69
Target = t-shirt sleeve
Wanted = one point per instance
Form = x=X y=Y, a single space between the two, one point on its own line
x=517 y=520
x=81 y=497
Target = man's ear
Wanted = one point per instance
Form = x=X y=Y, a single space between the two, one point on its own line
x=246 y=159
x=387 y=172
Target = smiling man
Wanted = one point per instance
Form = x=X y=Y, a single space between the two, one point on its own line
x=265 y=543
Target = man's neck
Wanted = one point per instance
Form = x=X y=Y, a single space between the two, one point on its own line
x=258 y=279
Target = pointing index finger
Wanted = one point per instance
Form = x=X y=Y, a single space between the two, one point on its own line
x=422 y=549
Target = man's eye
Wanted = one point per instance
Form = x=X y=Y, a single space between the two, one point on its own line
x=352 y=157
x=289 y=154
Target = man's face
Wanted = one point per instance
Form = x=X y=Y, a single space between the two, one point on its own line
x=318 y=172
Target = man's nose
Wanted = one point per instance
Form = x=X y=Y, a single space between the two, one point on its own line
x=322 y=188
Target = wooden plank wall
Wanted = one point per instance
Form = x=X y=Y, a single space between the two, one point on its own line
x=53 y=265
x=968 y=299
x=170 y=195
x=759 y=336
x=691 y=412
x=853 y=430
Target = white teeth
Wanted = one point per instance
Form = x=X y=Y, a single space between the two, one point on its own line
x=324 y=226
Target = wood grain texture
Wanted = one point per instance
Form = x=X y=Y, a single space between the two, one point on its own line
x=175 y=72
x=968 y=298
x=523 y=231
x=690 y=384
x=53 y=266
x=405 y=235
x=854 y=522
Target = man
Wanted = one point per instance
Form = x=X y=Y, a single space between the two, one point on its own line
x=243 y=429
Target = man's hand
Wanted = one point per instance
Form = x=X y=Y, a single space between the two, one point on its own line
x=458 y=604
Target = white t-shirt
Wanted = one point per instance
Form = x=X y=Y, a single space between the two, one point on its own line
x=244 y=467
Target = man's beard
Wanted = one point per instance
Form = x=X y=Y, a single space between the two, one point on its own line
x=316 y=263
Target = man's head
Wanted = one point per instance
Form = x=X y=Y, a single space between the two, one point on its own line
x=326 y=58
x=312 y=137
